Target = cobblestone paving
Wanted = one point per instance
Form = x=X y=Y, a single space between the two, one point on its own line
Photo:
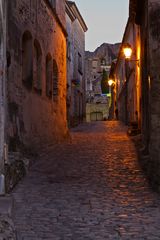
x=89 y=189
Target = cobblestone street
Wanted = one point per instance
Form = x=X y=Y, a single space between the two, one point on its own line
x=91 y=188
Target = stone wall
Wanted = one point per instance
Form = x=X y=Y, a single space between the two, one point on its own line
x=154 y=44
x=147 y=17
x=93 y=111
x=2 y=81
x=35 y=118
x=75 y=59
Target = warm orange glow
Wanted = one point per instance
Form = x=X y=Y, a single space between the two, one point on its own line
x=127 y=50
x=110 y=82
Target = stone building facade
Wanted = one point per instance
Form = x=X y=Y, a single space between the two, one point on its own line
x=97 y=68
x=144 y=15
x=147 y=17
x=127 y=77
x=96 y=62
x=76 y=29
x=2 y=88
x=36 y=49
x=36 y=74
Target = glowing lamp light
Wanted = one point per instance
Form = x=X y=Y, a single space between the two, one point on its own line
x=127 y=50
x=110 y=82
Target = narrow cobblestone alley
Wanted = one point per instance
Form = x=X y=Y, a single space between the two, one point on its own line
x=89 y=189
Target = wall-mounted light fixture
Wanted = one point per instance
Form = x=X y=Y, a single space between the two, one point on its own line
x=128 y=52
x=110 y=82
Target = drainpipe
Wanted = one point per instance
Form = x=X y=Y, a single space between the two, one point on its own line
x=2 y=91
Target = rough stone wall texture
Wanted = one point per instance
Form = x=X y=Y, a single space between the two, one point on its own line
x=34 y=118
x=149 y=20
x=154 y=47
x=76 y=80
x=2 y=79
x=79 y=48
x=144 y=72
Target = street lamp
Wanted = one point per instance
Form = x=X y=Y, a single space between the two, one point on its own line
x=110 y=82
x=127 y=50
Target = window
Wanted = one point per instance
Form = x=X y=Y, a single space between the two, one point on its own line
x=37 y=67
x=55 y=78
x=103 y=62
x=94 y=64
x=80 y=63
x=27 y=60
x=69 y=50
x=49 y=73
x=53 y=3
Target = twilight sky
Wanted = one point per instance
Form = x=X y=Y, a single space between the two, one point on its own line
x=106 y=20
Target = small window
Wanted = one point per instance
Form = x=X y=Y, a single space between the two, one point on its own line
x=53 y=3
x=80 y=63
x=94 y=64
x=69 y=50
x=103 y=62
x=49 y=74
x=55 y=78
x=27 y=60
x=37 y=67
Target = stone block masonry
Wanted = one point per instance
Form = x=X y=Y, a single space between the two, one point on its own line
x=32 y=82
x=36 y=88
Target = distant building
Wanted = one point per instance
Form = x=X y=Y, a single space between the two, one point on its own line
x=97 y=68
x=98 y=61
x=76 y=29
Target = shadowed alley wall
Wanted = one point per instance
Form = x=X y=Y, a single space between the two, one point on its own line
x=36 y=60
